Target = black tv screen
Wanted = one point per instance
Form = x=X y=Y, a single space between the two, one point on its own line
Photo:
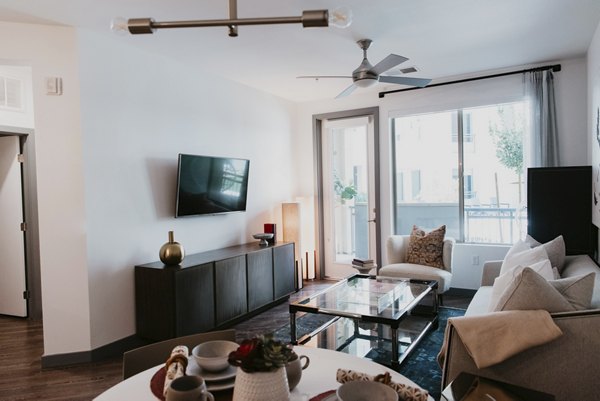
x=211 y=185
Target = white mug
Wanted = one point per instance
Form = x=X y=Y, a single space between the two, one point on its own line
x=294 y=369
x=188 y=388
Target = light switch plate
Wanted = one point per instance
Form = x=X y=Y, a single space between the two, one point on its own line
x=53 y=86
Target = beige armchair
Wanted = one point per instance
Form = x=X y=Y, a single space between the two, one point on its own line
x=397 y=247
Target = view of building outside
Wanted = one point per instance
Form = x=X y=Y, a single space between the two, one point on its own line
x=350 y=186
x=426 y=153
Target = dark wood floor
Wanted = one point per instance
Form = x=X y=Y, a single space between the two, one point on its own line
x=21 y=347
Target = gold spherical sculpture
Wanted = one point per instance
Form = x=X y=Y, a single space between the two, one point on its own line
x=171 y=253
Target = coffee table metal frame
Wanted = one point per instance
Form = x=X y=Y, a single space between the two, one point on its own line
x=392 y=316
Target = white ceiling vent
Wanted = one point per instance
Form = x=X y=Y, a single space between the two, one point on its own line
x=11 y=93
x=408 y=70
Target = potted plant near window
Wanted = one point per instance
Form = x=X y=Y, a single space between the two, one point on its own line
x=345 y=192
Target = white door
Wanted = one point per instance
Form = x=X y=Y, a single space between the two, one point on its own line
x=12 y=241
x=350 y=223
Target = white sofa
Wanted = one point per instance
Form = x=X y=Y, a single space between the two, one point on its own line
x=566 y=367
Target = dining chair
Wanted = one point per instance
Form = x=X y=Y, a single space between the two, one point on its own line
x=142 y=358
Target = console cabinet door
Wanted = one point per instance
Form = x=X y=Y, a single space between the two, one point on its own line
x=195 y=307
x=230 y=288
x=260 y=278
x=283 y=270
x=155 y=303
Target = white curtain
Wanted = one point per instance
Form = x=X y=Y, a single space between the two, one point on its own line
x=543 y=142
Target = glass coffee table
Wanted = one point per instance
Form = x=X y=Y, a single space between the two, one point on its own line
x=381 y=318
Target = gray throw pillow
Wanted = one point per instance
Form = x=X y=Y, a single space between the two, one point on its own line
x=576 y=290
x=555 y=249
x=531 y=291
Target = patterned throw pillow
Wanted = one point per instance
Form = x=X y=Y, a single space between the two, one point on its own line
x=426 y=248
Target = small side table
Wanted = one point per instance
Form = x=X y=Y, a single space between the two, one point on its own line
x=468 y=387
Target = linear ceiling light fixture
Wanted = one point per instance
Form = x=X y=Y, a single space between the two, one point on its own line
x=340 y=17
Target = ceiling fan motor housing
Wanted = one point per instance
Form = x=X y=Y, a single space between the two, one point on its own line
x=363 y=76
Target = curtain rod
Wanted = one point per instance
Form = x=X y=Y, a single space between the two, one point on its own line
x=554 y=68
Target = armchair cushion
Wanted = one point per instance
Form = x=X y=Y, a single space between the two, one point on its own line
x=418 y=272
x=426 y=248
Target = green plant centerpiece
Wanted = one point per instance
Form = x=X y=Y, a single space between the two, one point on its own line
x=261 y=354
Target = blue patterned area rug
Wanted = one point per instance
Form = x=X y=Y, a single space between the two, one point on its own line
x=420 y=366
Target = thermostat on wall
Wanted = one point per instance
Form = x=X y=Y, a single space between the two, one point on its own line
x=53 y=86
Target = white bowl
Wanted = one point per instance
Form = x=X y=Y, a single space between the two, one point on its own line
x=366 y=391
x=212 y=355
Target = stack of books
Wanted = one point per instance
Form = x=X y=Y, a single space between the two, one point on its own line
x=363 y=264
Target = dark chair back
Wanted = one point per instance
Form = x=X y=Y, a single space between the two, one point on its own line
x=140 y=359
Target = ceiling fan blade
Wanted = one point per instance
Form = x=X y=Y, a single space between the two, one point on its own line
x=324 y=76
x=346 y=91
x=420 y=82
x=390 y=61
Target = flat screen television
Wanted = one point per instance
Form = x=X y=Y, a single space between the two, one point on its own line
x=211 y=185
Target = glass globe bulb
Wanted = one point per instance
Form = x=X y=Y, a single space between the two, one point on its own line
x=119 y=26
x=340 y=17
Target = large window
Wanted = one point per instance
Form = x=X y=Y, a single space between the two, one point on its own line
x=462 y=168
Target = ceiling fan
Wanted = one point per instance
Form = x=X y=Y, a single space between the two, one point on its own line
x=367 y=75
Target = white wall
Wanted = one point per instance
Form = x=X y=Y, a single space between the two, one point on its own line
x=570 y=91
x=571 y=104
x=52 y=51
x=107 y=162
x=593 y=97
x=137 y=115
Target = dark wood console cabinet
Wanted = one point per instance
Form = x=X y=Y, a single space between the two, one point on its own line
x=211 y=290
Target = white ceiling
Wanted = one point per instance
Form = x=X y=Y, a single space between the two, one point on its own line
x=442 y=38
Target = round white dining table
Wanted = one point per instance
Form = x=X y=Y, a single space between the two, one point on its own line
x=317 y=378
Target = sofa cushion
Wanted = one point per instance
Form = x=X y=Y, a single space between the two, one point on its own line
x=479 y=305
x=426 y=248
x=505 y=280
x=419 y=272
x=530 y=291
x=555 y=249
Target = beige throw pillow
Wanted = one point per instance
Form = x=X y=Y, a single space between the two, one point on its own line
x=531 y=291
x=555 y=249
x=526 y=257
x=426 y=248
x=503 y=281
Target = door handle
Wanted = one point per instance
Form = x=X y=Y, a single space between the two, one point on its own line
x=372 y=221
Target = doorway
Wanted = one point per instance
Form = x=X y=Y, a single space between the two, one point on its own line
x=346 y=145
x=13 y=286
x=25 y=279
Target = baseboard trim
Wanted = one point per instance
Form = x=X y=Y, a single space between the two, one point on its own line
x=460 y=292
x=112 y=350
